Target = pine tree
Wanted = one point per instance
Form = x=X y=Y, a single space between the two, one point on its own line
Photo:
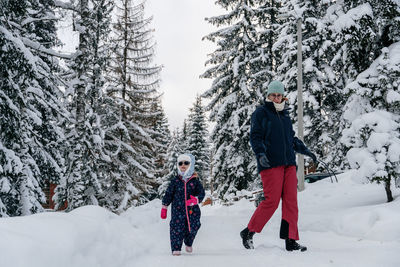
x=263 y=62
x=85 y=156
x=323 y=115
x=133 y=90
x=358 y=35
x=183 y=136
x=29 y=106
x=232 y=98
x=197 y=139
x=373 y=114
x=162 y=136
x=173 y=151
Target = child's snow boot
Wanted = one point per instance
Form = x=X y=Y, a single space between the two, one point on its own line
x=176 y=253
x=247 y=238
x=189 y=249
x=291 y=245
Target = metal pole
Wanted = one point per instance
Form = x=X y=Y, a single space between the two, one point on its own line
x=211 y=176
x=300 y=134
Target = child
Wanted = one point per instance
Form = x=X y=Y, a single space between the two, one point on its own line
x=185 y=192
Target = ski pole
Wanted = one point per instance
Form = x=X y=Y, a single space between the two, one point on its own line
x=329 y=171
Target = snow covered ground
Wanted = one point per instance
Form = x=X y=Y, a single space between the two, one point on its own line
x=342 y=224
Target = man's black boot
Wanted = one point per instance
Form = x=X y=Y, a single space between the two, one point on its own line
x=291 y=245
x=247 y=238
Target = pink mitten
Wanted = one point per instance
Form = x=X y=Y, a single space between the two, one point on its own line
x=164 y=212
x=192 y=201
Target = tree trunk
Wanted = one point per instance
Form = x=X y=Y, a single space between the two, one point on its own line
x=80 y=62
x=387 y=189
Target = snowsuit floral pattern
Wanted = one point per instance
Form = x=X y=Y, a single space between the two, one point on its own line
x=185 y=221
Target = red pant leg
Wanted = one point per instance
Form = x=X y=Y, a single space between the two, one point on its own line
x=272 y=180
x=289 y=204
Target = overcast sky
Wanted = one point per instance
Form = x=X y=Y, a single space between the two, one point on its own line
x=179 y=27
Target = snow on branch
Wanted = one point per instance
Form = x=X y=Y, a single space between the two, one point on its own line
x=64 y=5
x=40 y=48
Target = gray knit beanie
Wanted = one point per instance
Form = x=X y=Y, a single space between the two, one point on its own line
x=276 y=87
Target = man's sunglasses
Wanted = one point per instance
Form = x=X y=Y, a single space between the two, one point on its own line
x=183 y=162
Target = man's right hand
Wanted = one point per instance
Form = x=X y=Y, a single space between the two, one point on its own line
x=264 y=162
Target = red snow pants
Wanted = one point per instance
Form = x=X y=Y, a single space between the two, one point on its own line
x=279 y=182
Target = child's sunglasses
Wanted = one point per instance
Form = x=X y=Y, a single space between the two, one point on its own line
x=183 y=162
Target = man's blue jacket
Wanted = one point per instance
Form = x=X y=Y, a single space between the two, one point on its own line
x=272 y=133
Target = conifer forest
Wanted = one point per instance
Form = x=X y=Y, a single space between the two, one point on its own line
x=90 y=125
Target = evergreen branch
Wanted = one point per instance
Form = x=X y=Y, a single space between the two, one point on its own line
x=66 y=6
x=38 y=47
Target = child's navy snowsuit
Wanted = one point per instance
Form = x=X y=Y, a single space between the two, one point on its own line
x=185 y=221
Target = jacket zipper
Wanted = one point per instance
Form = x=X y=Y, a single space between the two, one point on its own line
x=186 y=208
x=284 y=137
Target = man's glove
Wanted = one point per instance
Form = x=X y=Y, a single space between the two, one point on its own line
x=311 y=155
x=264 y=162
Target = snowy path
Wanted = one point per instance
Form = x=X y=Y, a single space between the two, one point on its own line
x=343 y=225
x=218 y=244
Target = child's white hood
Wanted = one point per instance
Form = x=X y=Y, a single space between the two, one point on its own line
x=189 y=172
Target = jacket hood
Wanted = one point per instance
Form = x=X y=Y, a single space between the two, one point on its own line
x=189 y=172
